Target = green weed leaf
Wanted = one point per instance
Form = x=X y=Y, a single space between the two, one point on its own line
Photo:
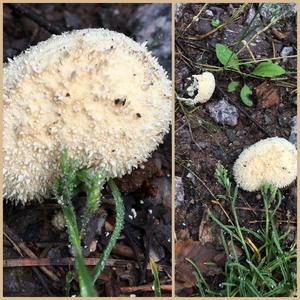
x=245 y=92
x=268 y=69
x=215 y=23
x=227 y=57
x=232 y=86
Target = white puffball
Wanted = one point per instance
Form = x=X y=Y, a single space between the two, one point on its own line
x=272 y=160
x=205 y=86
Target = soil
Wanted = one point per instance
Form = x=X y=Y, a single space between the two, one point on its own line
x=200 y=142
x=35 y=230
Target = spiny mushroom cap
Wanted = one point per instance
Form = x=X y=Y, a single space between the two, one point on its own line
x=272 y=160
x=96 y=92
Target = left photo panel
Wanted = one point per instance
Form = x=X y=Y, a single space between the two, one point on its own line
x=87 y=111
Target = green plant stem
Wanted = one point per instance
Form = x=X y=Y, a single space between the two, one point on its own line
x=156 y=282
x=265 y=59
x=85 y=283
x=116 y=233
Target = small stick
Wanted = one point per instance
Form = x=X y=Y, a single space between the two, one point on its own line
x=260 y=32
x=195 y=18
x=144 y=288
x=23 y=248
x=67 y=261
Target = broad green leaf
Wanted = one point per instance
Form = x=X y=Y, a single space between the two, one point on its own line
x=232 y=86
x=245 y=92
x=215 y=23
x=227 y=57
x=268 y=69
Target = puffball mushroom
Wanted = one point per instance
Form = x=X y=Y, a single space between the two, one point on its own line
x=205 y=88
x=272 y=160
x=94 y=91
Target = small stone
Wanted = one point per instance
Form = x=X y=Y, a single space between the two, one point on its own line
x=223 y=112
x=269 y=10
x=192 y=178
x=179 y=191
x=231 y=135
x=209 y=13
x=293 y=135
x=203 y=144
x=250 y=16
x=286 y=51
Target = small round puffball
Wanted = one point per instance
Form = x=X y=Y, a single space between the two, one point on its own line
x=206 y=86
x=272 y=160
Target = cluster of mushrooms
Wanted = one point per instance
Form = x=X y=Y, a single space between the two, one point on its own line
x=272 y=160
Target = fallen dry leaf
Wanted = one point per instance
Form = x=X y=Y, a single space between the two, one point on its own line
x=267 y=95
x=280 y=35
x=199 y=254
x=206 y=232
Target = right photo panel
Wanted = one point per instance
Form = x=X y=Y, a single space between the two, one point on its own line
x=235 y=150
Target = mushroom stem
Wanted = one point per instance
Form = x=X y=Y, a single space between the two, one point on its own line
x=117 y=230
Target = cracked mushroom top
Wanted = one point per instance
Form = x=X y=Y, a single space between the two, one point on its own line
x=94 y=91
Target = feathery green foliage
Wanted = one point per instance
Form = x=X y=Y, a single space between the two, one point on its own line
x=268 y=265
x=117 y=230
x=72 y=180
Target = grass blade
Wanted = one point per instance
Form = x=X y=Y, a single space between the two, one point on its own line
x=156 y=283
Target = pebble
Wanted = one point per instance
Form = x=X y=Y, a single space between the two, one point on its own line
x=209 y=13
x=154 y=23
x=250 y=16
x=269 y=10
x=286 y=51
x=231 y=134
x=223 y=112
x=179 y=191
x=293 y=135
x=192 y=178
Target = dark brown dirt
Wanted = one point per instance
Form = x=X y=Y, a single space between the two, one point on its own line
x=200 y=141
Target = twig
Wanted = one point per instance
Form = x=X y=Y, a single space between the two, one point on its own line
x=68 y=261
x=230 y=20
x=195 y=18
x=145 y=288
x=260 y=32
x=203 y=183
x=21 y=246
x=243 y=62
x=25 y=10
